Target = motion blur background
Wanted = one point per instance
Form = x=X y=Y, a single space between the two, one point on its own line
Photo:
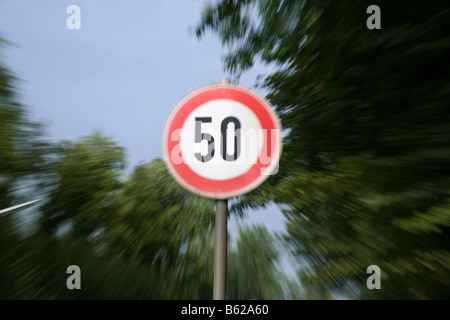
x=364 y=177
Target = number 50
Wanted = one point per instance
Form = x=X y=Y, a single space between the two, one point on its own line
x=199 y=137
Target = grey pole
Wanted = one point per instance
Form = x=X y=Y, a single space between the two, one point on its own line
x=220 y=250
x=220 y=245
x=18 y=207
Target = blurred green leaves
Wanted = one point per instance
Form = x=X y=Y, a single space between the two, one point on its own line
x=253 y=267
x=364 y=178
x=86 y=179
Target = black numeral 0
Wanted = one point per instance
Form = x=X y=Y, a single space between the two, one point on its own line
x=237 y=139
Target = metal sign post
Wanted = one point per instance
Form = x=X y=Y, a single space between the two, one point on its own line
x=221 y=245
x=220 y=250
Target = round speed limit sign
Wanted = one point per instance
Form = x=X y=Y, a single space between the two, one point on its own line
x=222 y=141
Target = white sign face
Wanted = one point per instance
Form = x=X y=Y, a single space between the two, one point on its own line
x=222 y=141
x=242 y=127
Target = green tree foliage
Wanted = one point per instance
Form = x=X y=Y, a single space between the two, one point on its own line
x=365 y=165
x=165 y=228
x=22 y=149
x=22 y=156
x=155 y=243
x=145 y=238
x=86 y=178
x=253 y=266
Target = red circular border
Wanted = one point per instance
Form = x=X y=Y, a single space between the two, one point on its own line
x=192 y=102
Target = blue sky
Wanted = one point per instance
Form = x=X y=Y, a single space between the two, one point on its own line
x=121 y=73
